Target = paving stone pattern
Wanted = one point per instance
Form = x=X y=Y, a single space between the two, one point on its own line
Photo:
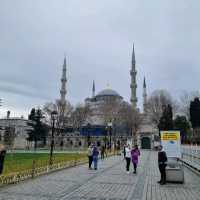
x=109 y=182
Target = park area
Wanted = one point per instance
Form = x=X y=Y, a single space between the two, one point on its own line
x=18 y=162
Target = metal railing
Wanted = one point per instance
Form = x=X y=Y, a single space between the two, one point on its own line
x=38 y=169
x=191 y=154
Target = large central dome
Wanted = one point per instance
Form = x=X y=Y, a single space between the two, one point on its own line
x=108 y=92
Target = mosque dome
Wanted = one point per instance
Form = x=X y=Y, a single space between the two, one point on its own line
x=108 y=92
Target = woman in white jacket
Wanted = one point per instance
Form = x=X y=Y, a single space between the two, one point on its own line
x=128 y=157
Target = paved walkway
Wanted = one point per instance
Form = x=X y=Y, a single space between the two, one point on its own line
x=110 y=182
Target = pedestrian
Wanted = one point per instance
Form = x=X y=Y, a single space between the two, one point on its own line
x=162 y=163
x=135 y=153
x=128 y=157
x=2 y=156
x=95 y=157
x=102 y=152
x=90 y=156
x=124 y=151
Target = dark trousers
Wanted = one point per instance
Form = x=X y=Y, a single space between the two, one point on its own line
x=102 y=156
x=90 y=158
x=135 y=167
x=1 y=164
x=128 y=161
x=1 y=168
x=162 y=173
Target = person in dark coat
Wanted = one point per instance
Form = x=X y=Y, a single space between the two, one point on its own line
x=162 y=163
x=2 y=156
x=102 y=152
x=95 y=157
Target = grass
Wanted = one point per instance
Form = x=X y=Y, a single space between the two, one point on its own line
x=17 y=162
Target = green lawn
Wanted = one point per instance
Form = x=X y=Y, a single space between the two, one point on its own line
x=22 y=161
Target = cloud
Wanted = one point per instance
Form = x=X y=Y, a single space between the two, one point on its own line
x=97 y=37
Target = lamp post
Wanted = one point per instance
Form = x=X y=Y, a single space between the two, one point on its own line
x=88 y=134
x=110 y=134
x=105 y=138
x=53 y=119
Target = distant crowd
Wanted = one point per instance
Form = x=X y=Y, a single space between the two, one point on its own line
x=130 y=155
x=93 y=154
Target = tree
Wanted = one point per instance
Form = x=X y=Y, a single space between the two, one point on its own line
x=62 y=118
x=195 y=113
x=195 y=118
x=166 y=120
x=50 y=107
x=9 y=136
x=185 y=100
x=39 y=130
x=132 y=118
x=156 y=104
x=109 y=110
x=79 y=116
x=182 y=124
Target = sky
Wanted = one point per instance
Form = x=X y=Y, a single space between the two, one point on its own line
x=97 y=39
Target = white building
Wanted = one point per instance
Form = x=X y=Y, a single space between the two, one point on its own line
x=19 y=126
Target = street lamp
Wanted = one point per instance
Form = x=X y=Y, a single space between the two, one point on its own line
x=88 y=134
x=53 y=119
x=110 y=134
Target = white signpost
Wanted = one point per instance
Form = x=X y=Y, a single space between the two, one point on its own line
x=170 y=141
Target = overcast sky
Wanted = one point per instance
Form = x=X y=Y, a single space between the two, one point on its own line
x=97 y=37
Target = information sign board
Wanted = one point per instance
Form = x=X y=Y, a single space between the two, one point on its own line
x=170 y=140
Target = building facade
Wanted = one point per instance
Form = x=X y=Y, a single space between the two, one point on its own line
x=18 y=132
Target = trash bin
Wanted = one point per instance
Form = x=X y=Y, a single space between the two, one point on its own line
x=174 y=171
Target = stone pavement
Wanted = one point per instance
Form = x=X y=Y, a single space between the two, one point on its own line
x=110 y=182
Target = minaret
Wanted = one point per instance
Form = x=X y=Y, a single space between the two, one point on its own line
x=133 y=85
x=144 y=96
x=93 y=90
x=63 y=91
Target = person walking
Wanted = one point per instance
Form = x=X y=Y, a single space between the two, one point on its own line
x=2 y=156
x=102 y=152
x=124 y=151
x=95 y=157
x=128 y=157
x=162 y=163
x=90 y=156
x=135 y=153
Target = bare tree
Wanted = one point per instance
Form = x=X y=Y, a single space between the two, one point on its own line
x=51 y=106
x=156 y=104
x=132 y=118
x=109 y=110
x=79 y=116
x=9 y=136
x=185 y=100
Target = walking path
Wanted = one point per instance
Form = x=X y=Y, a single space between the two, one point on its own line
x=110 y=182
